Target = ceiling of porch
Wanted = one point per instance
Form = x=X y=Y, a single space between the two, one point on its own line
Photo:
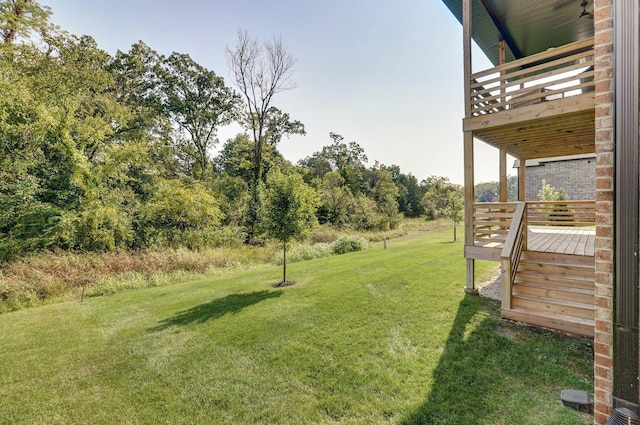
x=526 y=26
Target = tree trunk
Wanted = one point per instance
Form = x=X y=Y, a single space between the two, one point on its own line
x=284 y=262
x=254 y=204
x=203 y=166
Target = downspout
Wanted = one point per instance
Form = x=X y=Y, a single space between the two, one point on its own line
x=626 y=318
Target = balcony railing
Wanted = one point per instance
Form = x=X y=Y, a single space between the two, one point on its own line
x=554 y=74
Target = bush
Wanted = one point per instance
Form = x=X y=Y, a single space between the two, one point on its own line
x=101 y=227
x=180 y=215
x=349 y=244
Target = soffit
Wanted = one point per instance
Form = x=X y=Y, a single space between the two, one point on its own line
x=527 y=26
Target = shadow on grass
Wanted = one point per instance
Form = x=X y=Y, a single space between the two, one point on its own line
x=215 y=309
x=493 y=372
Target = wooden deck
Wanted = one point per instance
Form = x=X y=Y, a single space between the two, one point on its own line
x=554 y=239
x=562 y=240
x=548 y=279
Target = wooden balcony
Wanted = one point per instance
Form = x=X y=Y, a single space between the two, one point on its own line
x=538 y=106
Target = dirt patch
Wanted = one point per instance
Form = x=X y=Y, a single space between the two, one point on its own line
x=284 y=283
x=512 y=334
x=491 y=288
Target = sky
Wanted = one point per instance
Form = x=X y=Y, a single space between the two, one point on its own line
x=386 y=74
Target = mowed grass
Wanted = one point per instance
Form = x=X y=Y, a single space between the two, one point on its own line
x=373 y=337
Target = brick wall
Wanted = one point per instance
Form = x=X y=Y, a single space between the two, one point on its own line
x=576 y=177
x=604 y=122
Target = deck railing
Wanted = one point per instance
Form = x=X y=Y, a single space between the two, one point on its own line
x=491 y=223
x=554 y=74
x=510 y=257
x=561 y=213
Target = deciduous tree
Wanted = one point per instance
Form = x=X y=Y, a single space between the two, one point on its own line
x=455 y=209
x=236 y=158
x=198 y=102
x=260 y=71
x=436 y=197
x=22 y=17
x=349 y=160
x=289 y=208
x=336 y=199
x=385 y=194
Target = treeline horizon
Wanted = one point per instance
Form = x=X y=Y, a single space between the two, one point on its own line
x=104 y=153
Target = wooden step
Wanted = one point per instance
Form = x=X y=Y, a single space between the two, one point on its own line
x=555 y=291
x=559 y=292
x=550 y=305
x=570 y=324
x=556 y=280
x=553 y=257
x=553 y=268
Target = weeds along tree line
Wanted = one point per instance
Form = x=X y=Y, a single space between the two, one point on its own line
x=103 y=153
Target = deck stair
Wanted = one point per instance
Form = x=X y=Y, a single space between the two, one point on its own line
x=555 y=291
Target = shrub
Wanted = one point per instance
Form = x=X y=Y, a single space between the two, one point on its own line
x=349 y=244
x=101 y=227
x=180 y=215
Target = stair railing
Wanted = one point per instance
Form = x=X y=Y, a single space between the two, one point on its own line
x=515 y=243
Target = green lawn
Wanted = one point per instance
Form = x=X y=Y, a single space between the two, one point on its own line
x=373 y=337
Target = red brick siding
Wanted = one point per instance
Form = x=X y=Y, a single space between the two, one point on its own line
x=604 y=121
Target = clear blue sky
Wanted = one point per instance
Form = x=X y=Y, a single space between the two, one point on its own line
x=386 y=74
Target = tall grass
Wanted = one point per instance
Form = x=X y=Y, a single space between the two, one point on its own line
x=53 y=276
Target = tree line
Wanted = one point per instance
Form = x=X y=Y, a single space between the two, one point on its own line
x=103 y=152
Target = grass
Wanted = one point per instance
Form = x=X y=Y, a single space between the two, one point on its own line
x=373 y=337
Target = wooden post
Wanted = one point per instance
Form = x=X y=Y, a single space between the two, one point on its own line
x=522 y=180
x=468 y=147
x=468 y=209
x=503 y=175
x=505 y=284
x=466 y=48
x=525 y=233
x=502 y=56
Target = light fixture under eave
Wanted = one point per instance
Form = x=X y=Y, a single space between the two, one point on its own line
x=584 y=13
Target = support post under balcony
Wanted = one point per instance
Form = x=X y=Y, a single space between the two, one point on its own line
x=503 y=176
x=468 y=209
x=468 y=148
x=522 y=180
